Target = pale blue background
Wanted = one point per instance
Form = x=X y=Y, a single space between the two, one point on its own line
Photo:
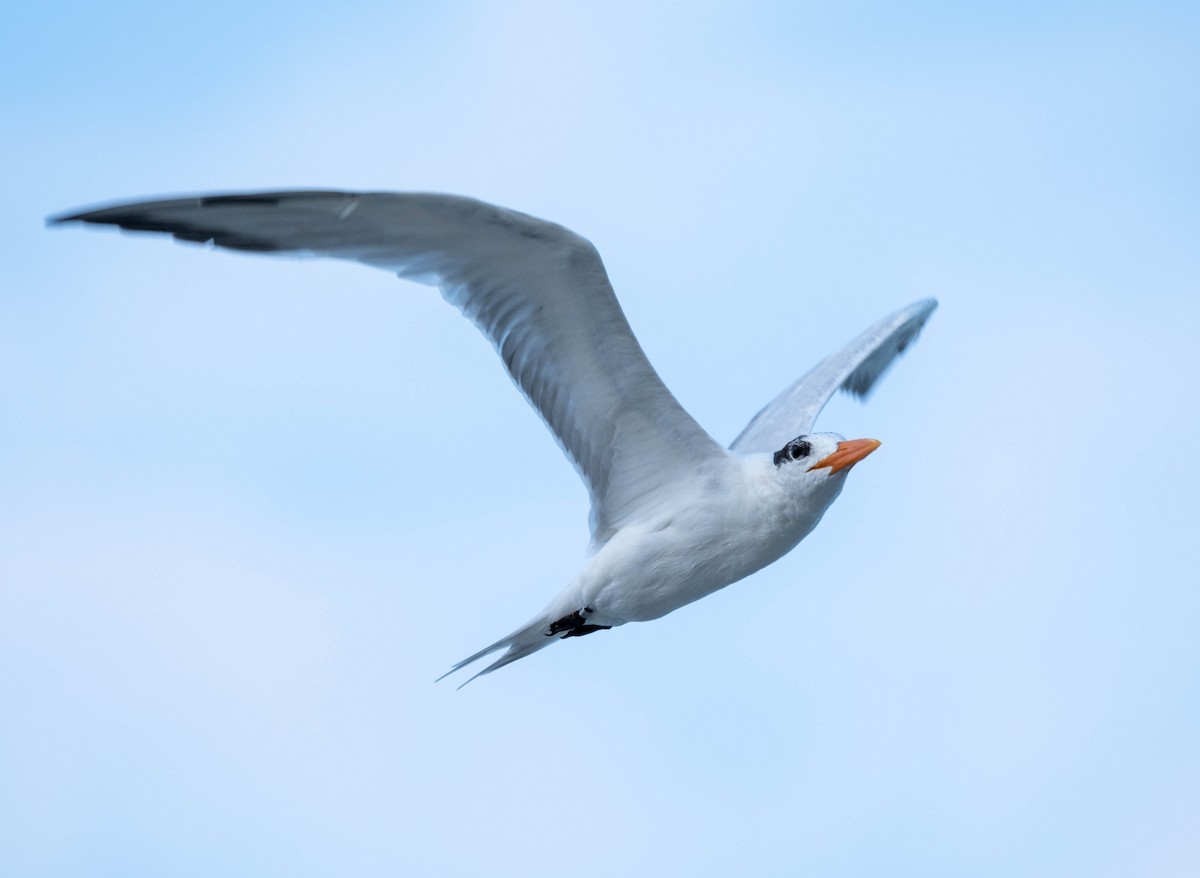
x=251 y=508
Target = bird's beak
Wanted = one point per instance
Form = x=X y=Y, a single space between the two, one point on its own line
x=847 y=454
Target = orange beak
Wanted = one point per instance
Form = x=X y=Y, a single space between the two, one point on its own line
x=847 y=454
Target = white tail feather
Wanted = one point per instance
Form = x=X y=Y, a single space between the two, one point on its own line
x=522 y=642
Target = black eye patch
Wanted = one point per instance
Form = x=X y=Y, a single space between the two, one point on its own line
x=797 y=449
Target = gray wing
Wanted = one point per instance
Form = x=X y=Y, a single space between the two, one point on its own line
x=538 y=291
x=855 y=369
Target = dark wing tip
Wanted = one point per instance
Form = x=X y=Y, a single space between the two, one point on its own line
x=125 y=216
x=863 y=380
x=59 y=218
x=115 y=214
x=181 y=231
x=164 y=217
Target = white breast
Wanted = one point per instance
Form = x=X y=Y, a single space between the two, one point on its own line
x=730 y=525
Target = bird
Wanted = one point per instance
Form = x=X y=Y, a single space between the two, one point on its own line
x=675 y=515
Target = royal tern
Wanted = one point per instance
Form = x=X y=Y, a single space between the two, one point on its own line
x=674 y=514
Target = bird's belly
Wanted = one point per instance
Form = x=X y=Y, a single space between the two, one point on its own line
x=664 y=570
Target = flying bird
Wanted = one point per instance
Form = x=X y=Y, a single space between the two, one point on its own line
x=674 y=514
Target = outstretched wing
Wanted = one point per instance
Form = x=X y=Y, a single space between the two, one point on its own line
x=538 y=291
x=855 y=369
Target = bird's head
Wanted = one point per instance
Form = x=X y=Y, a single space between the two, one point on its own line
x=808 y=474
x=817 y=459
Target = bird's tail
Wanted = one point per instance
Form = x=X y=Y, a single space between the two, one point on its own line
x=522 y=642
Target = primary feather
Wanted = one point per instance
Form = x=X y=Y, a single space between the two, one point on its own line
x=538 y=291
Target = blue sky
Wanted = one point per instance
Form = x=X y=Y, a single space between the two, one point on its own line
x=253 y=507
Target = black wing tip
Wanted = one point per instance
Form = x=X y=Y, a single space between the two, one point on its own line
x=59 y=219
x=181 y=232
x=116 y=214
x=141 y=217
x=126 y=214
x=129 y=222
x=119 y=215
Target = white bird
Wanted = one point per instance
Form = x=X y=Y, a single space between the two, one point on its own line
x=674 y=515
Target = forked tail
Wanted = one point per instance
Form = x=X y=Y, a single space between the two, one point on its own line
x=522 y=642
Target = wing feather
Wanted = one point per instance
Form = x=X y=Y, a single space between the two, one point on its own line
x=855 y=369
x=538 y=291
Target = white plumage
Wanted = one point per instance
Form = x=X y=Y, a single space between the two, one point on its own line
x=674 y=515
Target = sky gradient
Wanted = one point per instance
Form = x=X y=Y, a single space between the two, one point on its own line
x=251 y=507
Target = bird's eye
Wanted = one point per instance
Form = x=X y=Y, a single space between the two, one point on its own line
x=794 y=450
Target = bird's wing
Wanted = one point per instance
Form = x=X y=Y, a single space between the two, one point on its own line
x=854 y=369
x=538 y=291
